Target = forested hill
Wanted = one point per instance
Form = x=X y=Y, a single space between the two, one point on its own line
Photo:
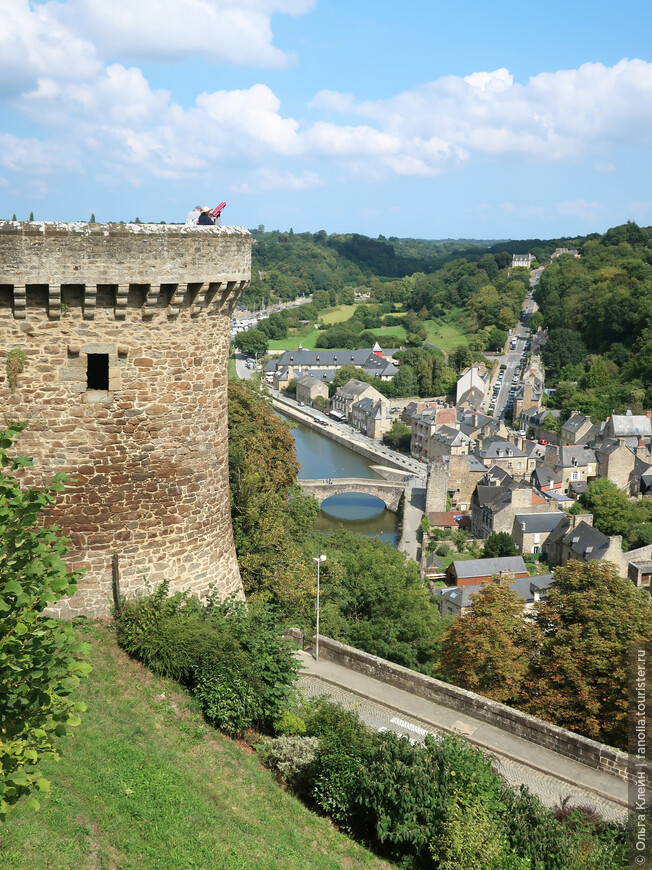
x=288 y=264
x=598 y=308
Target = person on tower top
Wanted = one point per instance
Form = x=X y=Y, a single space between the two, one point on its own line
x=205 y=218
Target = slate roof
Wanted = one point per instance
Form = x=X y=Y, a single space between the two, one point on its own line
x=540 y=523
x=631 y=425
x=575 y=423
x=586 y=542
x=308 y=380
x=488 y=567
x=352 y=389
x=575 y=456
x=499 y=449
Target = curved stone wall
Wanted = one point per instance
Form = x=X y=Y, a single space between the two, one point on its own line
x=125 y=334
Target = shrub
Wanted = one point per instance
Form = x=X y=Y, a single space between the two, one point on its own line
x=39 y=656
x=289 y=723
x=232 y=657
x=291 y=758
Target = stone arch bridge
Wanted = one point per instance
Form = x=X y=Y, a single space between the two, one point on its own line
x=388 y=492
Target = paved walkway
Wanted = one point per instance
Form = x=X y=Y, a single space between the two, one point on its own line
x=547 y=774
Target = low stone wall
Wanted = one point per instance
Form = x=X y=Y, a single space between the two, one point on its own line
x=568 y=743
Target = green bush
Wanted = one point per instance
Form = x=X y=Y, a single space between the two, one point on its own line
x=40 y=658
x=230 y=656
x=290 y=757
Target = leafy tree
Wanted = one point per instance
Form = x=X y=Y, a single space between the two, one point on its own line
x=580 y=677
x=253 y=342
x=499 y=544
x=92 y=220
x=405 y=381
x=564 y=347
x=398 y=437
x=611 y=509
x=40 y=660
x=489 y=649
x=271 y=517
x=13 y=217
x=535 y=321
x=497 y=338
x=372 y=598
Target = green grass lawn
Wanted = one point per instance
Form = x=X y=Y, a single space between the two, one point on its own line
x=337 y=315
x=308 y=341
x=232 y=372
x=444 y=335
x=145 y=783
x=390 y=336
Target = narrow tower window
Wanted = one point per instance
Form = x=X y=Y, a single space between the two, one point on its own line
x=97 y=371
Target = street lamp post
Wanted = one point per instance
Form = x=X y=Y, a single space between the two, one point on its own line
x=318 y=560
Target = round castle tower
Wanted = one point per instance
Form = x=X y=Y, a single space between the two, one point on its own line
x=125 y=336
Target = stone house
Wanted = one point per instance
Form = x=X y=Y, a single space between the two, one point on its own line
x=457 y=600
x=615 y=460
x=424 y=423
x=494 y=508
x=575 y=430
x=575 y=538
x=531 y=531
x=532 y=419
x=630 y=427
x=505 y=455
x=575 y=463
x=351 y=392
x=371 y=418
x=309 y=388
x=466 y=572
x=522 y=261
x=447 y=441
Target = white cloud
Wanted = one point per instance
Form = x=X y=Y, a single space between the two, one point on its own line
x=223 y=31
x=273 y=179
x=57 y=68
x=604 y=167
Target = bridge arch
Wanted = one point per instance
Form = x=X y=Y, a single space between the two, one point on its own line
x=388 y=492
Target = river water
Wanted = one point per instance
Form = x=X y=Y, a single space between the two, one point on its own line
x=322 y=458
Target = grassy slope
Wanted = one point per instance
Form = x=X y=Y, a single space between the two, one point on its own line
x=144 y=783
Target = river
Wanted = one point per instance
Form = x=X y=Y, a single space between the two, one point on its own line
x=322 y=458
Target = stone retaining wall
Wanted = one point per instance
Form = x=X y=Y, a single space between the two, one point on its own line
x=568 y=743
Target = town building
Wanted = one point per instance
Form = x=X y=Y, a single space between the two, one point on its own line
x=466 y=572
x=370 y=417
x=310 y=388
x=457 y=600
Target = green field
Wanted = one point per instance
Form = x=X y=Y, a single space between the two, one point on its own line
x=337 y=315
x=144 y=783
x=390 y=336
x=445 y=335
x=292 y=342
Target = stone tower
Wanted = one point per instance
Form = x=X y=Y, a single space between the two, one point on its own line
x=122 y=334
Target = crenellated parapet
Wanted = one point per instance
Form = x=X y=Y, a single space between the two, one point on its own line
x=124 y=334
x=148 y=267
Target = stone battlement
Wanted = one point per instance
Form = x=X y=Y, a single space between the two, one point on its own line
x=126 y=268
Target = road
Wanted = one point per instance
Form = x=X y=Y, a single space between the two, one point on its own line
x=513 y=359
x=550 y=776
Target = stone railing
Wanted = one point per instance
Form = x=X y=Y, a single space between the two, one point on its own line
x=567 y=743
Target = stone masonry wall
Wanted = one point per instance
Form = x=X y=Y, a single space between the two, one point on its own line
x=568 y=743
x=149 y=454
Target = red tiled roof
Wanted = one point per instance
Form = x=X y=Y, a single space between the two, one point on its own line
x=449 y=519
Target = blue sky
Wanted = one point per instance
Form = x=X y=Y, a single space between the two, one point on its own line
x=426 y=119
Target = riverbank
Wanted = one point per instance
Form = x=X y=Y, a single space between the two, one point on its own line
x=337 y=432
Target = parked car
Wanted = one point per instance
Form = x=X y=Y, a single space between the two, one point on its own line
x=542 y=441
